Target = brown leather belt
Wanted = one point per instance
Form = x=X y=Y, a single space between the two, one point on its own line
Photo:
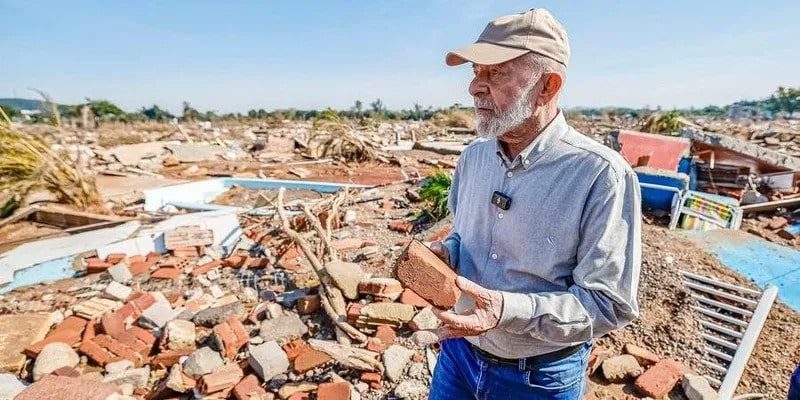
x=517 y=362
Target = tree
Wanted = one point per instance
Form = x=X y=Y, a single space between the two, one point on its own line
x=788 y=99
x=358 y=108
x=104 y=108
x=189 y=113
x=156 y=113
x=378 y=109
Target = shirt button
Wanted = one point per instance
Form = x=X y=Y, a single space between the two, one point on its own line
x=527 y=162
x=494 y=256
x=509 y=174
x=500 y=215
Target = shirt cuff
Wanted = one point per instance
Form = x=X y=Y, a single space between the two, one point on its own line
x=452 y=244
x=517 y=312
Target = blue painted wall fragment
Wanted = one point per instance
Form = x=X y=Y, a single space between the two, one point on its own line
x=761 y=261
x=49 y=271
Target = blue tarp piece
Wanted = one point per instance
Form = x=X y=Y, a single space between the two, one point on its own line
x=761 y=261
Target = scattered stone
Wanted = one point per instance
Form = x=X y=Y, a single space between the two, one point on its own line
x=118 y=291
x=137 y=377
x=157 y=315
x=18 y=332
x=217 y=315
x=287 y=390
x=643 y=356
x=410 y=390
x=268 y=360
x=181 y=334
x=283 y=328
x=419 y=269
x=382 y=288
x=424 y=320
x=118 y=366
x=395 y=360
x=387 y=313
x=274 y=310
x=176 y=380
x=202 y=362
x=346 y=276
x=10 y=386
x=120 y=273
x=696 y=387
x=52 y=357
x=618 y=369
x=250 y=389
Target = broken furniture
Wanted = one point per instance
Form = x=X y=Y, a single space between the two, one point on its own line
x=731 y=317
x=705 y=211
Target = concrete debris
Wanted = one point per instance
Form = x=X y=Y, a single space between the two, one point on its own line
x=181 y=334
x=10 y=386
x=201 y=362
x=268 y=360
x=346 y=276
x=395 y=360
x=282 y=328
x=118 y=291
x=138 y=377
x=618 y=369
x=52 y=357
x=424 y=320
x=696 y=387
x=411 y=390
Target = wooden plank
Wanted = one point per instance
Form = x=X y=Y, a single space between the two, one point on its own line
x=188 y=236
x=771 y=205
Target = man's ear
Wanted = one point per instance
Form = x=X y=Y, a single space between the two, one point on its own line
x=552 y=85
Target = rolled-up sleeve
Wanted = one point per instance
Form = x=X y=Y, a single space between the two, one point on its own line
x=606 y=277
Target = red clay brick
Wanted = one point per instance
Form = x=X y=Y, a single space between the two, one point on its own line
x=295 y=348
x=225 y=377
x=113 y=324
x=231 y=336
x=371 y=377
x=116 y=258
x=202 y=269
x=233 y=261
x=375 y=344
x=401 y=226
x=659 y=379
x=386 y=334
x=68 y=331
x=152 y=256
x=308 y=304
x=95 y=265
x=419 y=269
x=90 y=332
x=168 y=358
x=166 y=273
x=143 y=301
x=95 y=352
x=66 y=371
x=136 y=258
x=309 y=360
x=257 y=262
x=409 y=297
x=381 y=287
x=334 y=391
x=186 y=252
x=249 y=389
x=353 y=312
x=140 y=267
x=67 y=388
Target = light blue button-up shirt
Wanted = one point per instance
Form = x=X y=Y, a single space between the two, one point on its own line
x=566 y=255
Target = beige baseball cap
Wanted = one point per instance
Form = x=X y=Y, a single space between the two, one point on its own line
x=511 y=36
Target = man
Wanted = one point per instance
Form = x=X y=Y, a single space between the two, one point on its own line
x=794 y=385
x=546 y=230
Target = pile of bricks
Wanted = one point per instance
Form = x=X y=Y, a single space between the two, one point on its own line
x=183 y=323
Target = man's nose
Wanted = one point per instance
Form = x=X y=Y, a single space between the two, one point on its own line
x=477 y=87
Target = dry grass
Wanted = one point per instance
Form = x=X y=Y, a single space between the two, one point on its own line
x=27 y=162
x=334 y=137
x=455 y=118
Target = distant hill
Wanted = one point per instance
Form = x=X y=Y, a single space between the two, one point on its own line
x=22 y=104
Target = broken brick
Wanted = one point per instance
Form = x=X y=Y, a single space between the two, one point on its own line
x=295 y=348
x=116 y=258
x=168 y=358
x=659 y=379
x=401 y=226
x=225 y=377
x=386 y=334
x=419 y=269
x=202 y=269
x=233 y=261
x=68 y=331
x=134 y=346
x=387 y=288
x=308 y=304
x=409 y=297
x=375 y=344
x=231 y=337
x=167 y=273
x=140 y=267
x=96 y=265
x=189 y=252
x=309 y=360
x=334 y=391
x=249 y=389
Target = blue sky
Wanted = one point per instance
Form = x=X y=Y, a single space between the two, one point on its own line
x=238 y=55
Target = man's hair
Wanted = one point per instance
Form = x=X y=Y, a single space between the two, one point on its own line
x=541 y=64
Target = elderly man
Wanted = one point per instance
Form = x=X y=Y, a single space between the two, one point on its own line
x=546 y=232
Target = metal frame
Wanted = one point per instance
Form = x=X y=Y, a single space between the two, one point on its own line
x=731 y=318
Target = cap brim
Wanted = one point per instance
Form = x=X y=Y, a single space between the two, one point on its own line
x=484 y=54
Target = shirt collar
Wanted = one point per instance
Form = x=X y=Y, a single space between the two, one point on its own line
x=546 y=139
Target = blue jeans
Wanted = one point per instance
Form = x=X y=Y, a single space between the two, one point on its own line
x=794 y=385
x=463 y=374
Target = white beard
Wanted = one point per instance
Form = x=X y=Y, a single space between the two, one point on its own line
x=519 y=112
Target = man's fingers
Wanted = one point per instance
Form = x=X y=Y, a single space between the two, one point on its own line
x=457 y=321
x=471 y=288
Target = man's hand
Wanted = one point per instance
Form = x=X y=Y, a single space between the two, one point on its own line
x=485 y=315
x=441 y=251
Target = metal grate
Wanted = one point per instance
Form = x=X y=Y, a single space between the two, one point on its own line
x=731 y=318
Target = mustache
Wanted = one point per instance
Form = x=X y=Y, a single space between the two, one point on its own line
x=483 y=103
